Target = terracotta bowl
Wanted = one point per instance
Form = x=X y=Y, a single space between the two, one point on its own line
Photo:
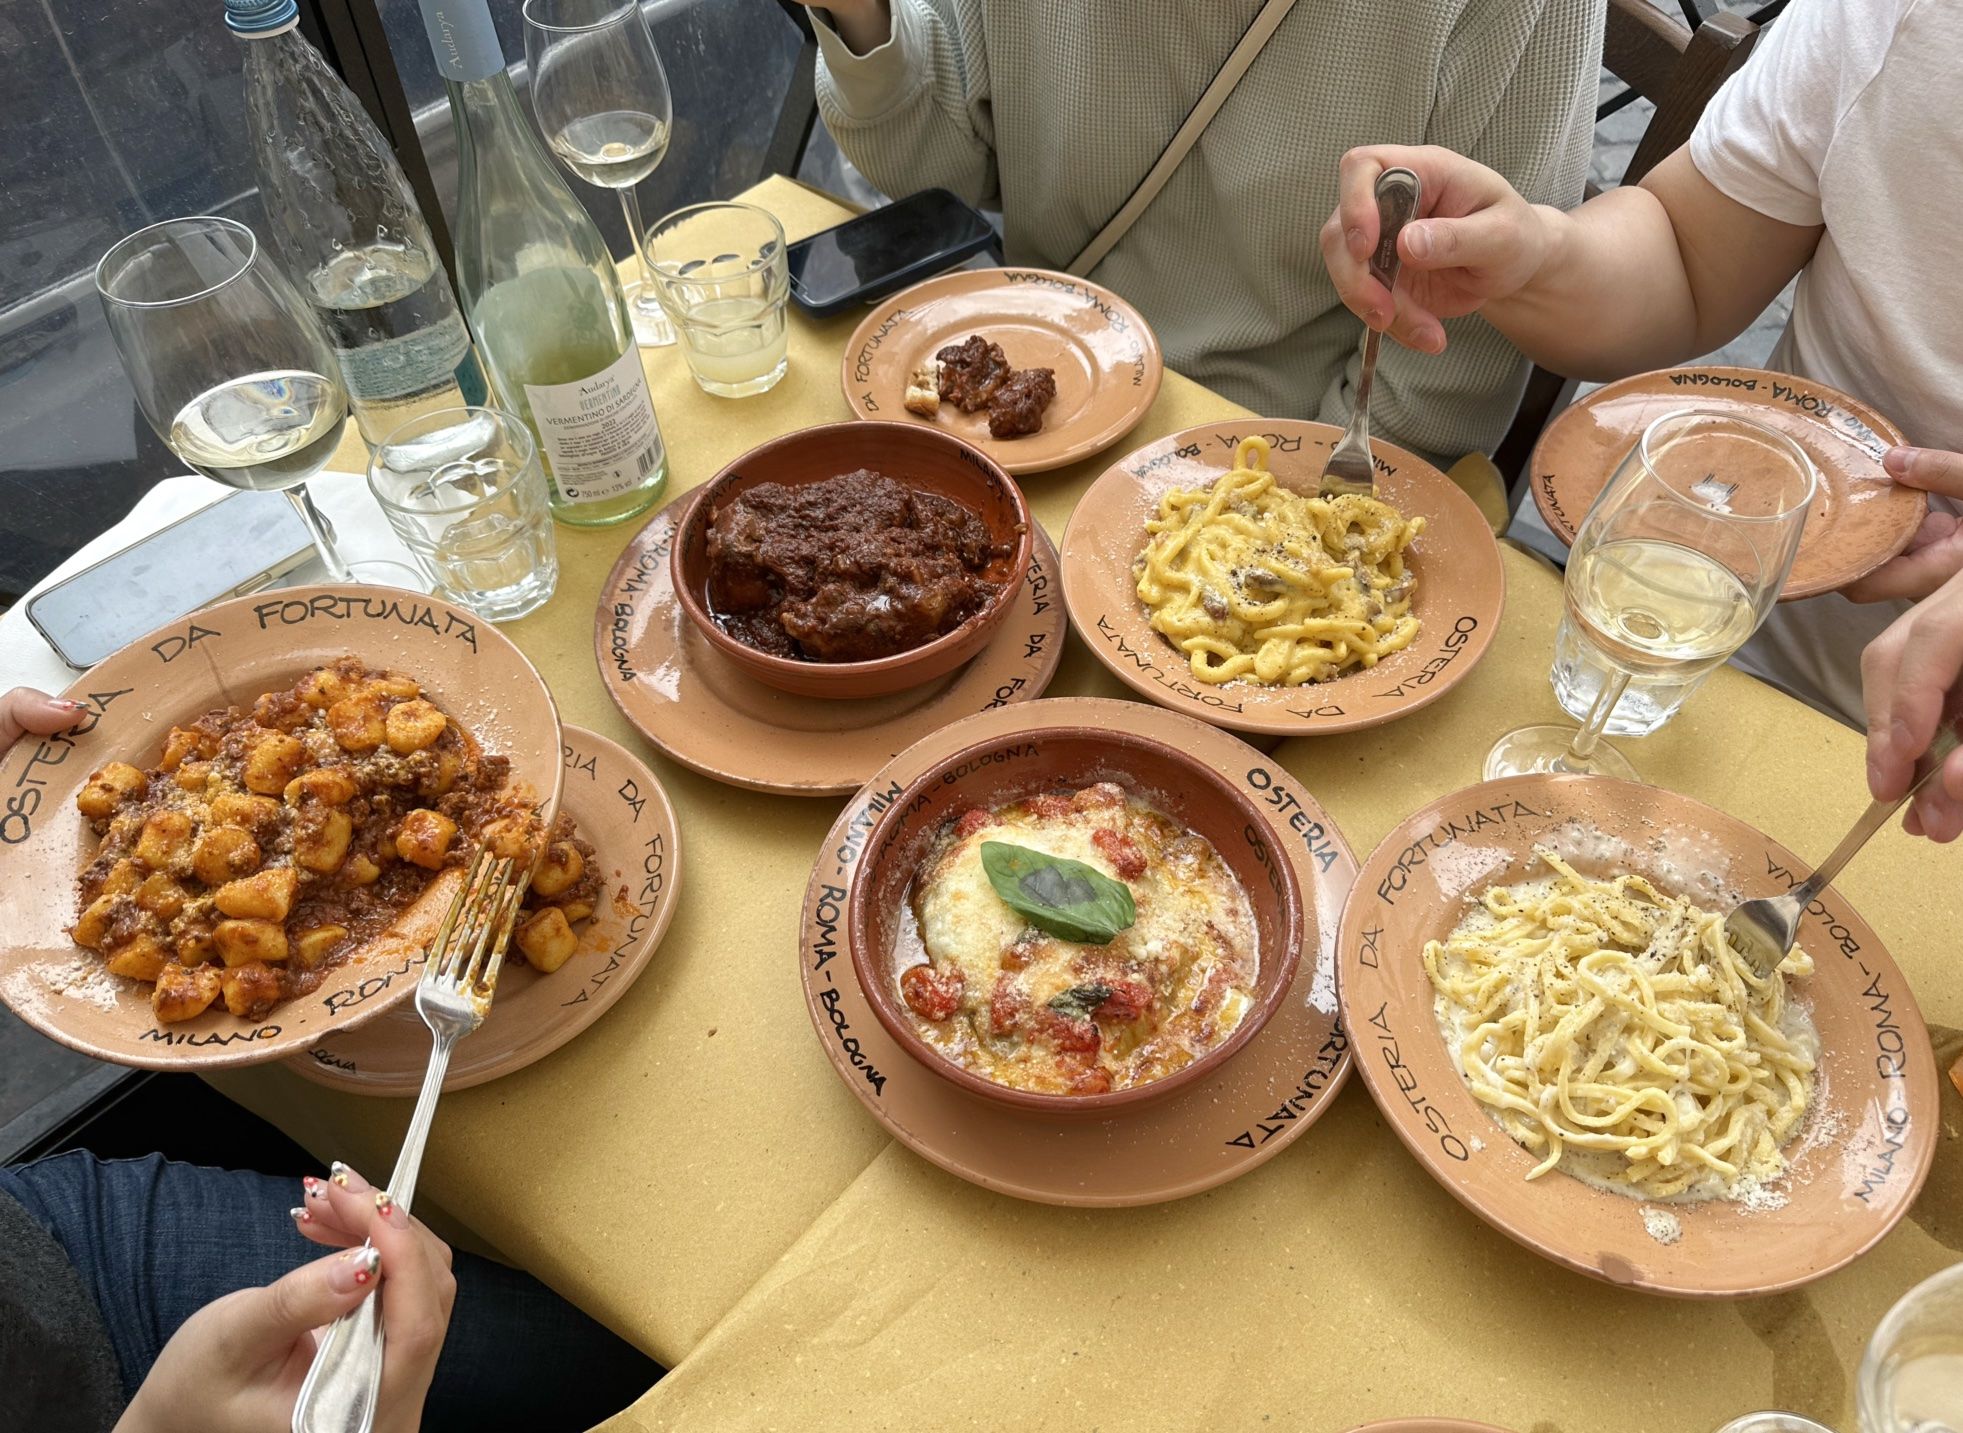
x=1180 y=785
x=921 y=457
x=228 y=654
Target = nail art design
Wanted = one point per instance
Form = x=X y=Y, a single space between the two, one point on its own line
x=340 y=1174
x=366 y=1261
x=315 y=1189
x=299 y=1214
x=384 y=1202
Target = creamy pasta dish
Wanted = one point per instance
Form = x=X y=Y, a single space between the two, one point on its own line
x=1256 y=583
x=1609 y=1028
x=1157 y=965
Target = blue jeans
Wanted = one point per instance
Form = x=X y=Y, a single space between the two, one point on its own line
x=155 y=1241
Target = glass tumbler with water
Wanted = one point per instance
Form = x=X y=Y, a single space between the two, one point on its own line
x=723 y=277
x=1912 y=1378
x=463 y=489
x=1677 y=562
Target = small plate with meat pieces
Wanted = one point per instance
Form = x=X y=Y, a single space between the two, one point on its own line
x=251 y=835
x=1037 y=369
x=825 y=576
x=599 y=903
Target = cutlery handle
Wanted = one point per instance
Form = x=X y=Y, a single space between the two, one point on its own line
x=345 y=1380
x=1874 y=818
x=1397 y=204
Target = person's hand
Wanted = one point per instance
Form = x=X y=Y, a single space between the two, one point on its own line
x=864 y=25
x=1909 y=682
x=1473 y=240
x=1935 y=553
x=23 y=710
x=237 y=1364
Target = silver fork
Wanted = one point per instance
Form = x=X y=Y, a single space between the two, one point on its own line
x=459 y=978
x=1763 y=930
x=1350 y=470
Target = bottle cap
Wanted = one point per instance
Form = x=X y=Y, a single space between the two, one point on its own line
x=257 y=19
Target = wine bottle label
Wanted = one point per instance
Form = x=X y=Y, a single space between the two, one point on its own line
x=463 y=39
x=599 y=434
x=408 y=363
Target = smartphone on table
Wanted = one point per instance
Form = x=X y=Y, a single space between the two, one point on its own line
x=870 y=256
x=239 y=544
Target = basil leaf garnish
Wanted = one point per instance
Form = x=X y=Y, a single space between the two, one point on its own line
x=1064 y=898
x=1080 y=1001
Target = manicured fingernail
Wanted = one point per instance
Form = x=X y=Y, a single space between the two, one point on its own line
x=315 y=1189
x=1359 y=245
x=299 y=1214
x=77 y=707
x=386 y=1206
x=1417 y=241
x=1897 y=461
x=338 y=1172
x=353 y=1269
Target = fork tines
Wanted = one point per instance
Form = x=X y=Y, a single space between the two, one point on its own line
x=479 y=919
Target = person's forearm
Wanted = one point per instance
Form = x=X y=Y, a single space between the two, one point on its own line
x=865 y=25
x=1612 y=296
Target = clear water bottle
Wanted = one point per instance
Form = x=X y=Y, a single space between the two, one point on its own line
x=345 y=224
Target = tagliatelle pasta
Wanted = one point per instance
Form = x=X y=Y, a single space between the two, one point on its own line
x=1256 y=583
x=1610 y=1029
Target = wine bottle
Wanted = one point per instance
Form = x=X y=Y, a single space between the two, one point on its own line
x=541 y=290
x=344 y=221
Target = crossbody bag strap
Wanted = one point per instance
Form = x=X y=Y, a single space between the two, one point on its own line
x=1251 y=42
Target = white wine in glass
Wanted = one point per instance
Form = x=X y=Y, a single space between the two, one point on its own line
x=1912 y=1377
x=230 y=365
x=603 y=104
x=263 y=431
x=1678 y=561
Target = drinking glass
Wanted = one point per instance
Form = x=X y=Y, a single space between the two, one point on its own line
x=602 y=101
x=722 y=274
x=230 y=365
x=1911 y=1380
x=1677 y=562
x=463 y=489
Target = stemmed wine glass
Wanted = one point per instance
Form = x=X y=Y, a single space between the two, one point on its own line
x=230 y=365
x=1678 y=561
x=602 y=101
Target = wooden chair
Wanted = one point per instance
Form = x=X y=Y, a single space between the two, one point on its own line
x=1677 y=68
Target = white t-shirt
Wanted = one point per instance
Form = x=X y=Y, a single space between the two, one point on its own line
x=1849 y=114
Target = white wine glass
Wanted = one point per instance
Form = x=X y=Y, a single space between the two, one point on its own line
x=1679 y=559
x=602 y=101
x=1911 y=1380
x=230 y=365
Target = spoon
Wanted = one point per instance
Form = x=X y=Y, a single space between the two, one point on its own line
x=1764 y=930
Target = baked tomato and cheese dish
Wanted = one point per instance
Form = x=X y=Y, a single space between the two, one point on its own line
x=269 y=843
x=1076 y=942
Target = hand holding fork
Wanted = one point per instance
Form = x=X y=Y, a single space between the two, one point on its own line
x=459 y=978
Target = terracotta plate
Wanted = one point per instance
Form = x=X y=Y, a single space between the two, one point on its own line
x=1461 y=585
x=699 y=707
x=619 y=807
x=229 y=654
x=1860 y=518
x=1105 y=356
x=1856 y=1163
x=1221 y=1127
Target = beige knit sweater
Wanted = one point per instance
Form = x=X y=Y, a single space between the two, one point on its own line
x=1054 y=109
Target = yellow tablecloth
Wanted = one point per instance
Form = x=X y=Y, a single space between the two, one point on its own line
x=691 y=1171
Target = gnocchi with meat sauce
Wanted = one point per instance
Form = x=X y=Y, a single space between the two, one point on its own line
x=270 y=841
